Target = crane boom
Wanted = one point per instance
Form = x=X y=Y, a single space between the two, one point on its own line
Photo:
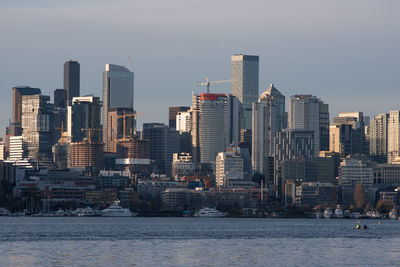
x=207 y=83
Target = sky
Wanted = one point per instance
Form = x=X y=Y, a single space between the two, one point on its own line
x=346 y=51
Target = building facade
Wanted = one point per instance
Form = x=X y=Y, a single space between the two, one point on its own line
x=71 y=80
x=378 y=138
x=245 y=72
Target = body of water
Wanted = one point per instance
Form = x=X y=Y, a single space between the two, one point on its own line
x=77 y=241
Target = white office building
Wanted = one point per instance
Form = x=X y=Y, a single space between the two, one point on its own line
x=228 y=168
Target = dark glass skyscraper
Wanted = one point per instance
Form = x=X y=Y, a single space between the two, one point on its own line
x=71 y=79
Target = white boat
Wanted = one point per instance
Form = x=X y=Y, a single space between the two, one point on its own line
x=210 y=213
x=393 y=214
x=86 y=212
x=328 y=214
x=115 y=210
x=339 y=213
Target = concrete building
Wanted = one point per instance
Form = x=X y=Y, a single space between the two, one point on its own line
x=215 y=125
x=118 y=92
x=18 y=92
x=71 y=80
x=164 y=142
x=269 y=117
x=393 y=136
x=172 y=115
x=228 y=168
x=245 y=72
x=353 y=171
x=307 y=112
x=378 y=138
x=38 y=127
x=84 y=119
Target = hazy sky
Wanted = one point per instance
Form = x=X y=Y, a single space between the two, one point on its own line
x=344 y=51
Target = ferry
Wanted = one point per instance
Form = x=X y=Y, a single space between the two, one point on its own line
x=210 y=213
x=115 y=210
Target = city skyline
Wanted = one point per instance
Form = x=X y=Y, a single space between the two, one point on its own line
x=357 y=59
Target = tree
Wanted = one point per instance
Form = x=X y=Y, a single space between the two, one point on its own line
x=359 y=196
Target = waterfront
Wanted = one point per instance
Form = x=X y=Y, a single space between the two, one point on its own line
x=27 y=241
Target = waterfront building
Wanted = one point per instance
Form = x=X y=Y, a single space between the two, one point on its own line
x=387 y=175
x=316 y=193
x=84 y=119
x=307 y=112
x=245 y=72
x=172 y=115
x=38 y=127
x=378 y=138
x=164 y=142
x=269 y=117
x=118 y=91
x=215 y=125
x=71 y=80
x=228 y=168
x=18 y=92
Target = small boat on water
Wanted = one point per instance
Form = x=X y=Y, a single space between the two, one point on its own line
x=4 y=212
x=339 y=213
x=210 y=213
x=115 y=210
x=328 y=213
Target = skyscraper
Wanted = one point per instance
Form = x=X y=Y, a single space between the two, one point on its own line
x=37 y=127
x=269 y=117
x=117 y=93
x=379 y=137
x=18 y=92
x=308 y=112
x=215 y=125
x=71 y=79
x=245 y=70
x=173 y=111
x=84 y=114
x=393 y=136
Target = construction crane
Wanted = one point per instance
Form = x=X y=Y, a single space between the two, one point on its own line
x=207 y=83
x=90 y=132
x=124 y=116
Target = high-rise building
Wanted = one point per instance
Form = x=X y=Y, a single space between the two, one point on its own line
x=17 y=151
x=228 y=168
x=173 y=112
x=340 y=139
x=60 y=98
x=215 y=125
x=183 y=121
x=393 y=136
x=71 y=80
x=359 y=144
x=87 y=156
x=117 y=93
x=308 y=112
x=84 y=119
x=378 y=138
x=269 y=117
x=37 y=127
x=164 y=142
x=245 y=70
x=290 y=144
x=18 y=92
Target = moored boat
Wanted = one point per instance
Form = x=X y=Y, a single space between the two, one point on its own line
x=210 y=213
